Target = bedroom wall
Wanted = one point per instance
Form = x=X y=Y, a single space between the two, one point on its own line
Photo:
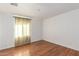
x=7 y=23
x=6 y=31
x=63 y=29
x=36 y=29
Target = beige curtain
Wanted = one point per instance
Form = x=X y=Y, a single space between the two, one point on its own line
x=22 y=31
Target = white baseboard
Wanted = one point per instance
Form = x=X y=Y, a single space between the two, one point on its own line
x=68 y=46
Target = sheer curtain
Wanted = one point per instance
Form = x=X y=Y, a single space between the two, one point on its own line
x=22 y=31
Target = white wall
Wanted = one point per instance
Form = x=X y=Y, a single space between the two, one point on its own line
x=63 y=29
x=6 y=31
x=7 y=23
x=36 y=29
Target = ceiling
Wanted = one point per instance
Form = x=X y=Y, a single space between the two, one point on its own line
x=38 y=10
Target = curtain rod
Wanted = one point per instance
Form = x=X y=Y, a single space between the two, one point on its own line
x=22 y=16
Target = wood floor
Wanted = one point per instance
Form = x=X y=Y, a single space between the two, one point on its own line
x=39 y=48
